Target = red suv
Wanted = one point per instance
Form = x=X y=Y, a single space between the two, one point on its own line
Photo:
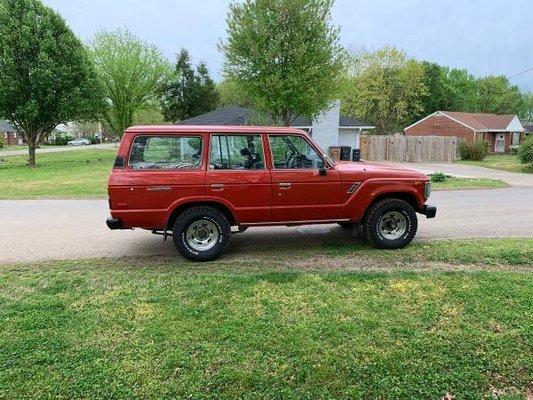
x=197 y=182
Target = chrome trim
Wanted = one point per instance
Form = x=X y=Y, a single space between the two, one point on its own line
x=354 y=187
x=159 y=189
x=303 y=222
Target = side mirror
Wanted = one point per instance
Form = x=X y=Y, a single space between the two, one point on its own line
x=322 y=170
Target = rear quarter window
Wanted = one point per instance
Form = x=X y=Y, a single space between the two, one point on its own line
x=165 y=152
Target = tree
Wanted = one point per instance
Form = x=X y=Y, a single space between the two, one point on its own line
x=385 y=88
x=497 y=95
x=439 y=95
x=231 y=95
x=132 y=72
x=46 y=75
x=527 y=113
x=284 y=55
x=188 y=93
x=463 y=87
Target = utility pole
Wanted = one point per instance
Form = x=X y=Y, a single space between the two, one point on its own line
x=100 y=131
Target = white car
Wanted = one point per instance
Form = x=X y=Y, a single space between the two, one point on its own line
x=79 y=142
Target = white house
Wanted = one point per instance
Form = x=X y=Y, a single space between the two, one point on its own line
x=329 y=129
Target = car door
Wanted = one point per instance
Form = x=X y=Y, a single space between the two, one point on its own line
x=238 y=177
x=300 y=191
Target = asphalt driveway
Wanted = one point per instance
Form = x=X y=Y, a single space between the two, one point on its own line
x=32 y=230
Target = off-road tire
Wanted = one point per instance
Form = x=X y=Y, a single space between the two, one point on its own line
x=188 y=217
x=372 y=218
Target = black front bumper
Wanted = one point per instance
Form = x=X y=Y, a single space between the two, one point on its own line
x=114 y=223
x=429 y=211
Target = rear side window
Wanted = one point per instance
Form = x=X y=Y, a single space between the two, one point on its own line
x=166 y=152
x=240 y=152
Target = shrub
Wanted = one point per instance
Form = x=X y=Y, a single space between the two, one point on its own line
x=93 y=139
x=473 y=151
x=525 y=153
x=1 y=141
x=62 y=140
x=437 y=177
x=513 y=150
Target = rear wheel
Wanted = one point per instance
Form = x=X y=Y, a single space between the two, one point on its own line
x=201 y=233
x=390 y=223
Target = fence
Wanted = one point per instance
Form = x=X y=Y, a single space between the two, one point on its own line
x=420 y=149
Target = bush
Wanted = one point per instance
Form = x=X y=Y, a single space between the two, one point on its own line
x=1 y=141
x=93 y=139
x=62 y=140
x=513 y=150
x=437 y=177
x=525 y=153
x=473 y=151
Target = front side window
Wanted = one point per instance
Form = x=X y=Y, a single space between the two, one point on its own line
x=293 y=152
x=240 y=152
x=166 y=152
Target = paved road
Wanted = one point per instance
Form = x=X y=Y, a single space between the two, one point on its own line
x=33 y=230
x=56 y=149
x=472 y=171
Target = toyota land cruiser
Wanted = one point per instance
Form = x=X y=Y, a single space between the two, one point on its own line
x=197 y=182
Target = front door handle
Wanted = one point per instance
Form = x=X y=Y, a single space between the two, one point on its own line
x=285 y=185
x=217 y=186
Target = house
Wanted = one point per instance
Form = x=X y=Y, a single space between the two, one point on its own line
x=501 y=131
x=9 y=134
x=528 y=127
x=331 y=129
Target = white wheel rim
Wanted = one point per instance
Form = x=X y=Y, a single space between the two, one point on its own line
x=392 y=225
x=202 y=235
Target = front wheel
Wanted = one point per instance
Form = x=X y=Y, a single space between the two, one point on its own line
x=390 y=224
x=201 y=233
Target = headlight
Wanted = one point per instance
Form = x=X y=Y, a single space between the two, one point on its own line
x=427 y=190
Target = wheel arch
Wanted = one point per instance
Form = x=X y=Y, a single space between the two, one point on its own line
x=409 y=197
x=184 y=206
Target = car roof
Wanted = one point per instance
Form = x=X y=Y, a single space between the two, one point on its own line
x=210 y=128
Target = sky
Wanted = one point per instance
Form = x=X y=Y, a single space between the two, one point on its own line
x=486 y=37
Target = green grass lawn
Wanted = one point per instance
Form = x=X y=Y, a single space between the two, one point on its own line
x=258 y=329
x=453 y=183
x=68 y=174
x=13 y=148
x=505 y=162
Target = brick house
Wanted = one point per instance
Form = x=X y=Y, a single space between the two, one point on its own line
x=9 y=134
x=501 y=131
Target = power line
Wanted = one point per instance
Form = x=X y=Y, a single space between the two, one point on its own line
x=520 y=73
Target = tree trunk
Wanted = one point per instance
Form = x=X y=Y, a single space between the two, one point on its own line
x=286 y=118
x=31 y=150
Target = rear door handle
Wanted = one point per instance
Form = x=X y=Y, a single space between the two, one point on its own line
x=285 y=185
x=217 y=186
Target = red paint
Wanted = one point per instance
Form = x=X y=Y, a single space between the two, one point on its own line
x=147 y=198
